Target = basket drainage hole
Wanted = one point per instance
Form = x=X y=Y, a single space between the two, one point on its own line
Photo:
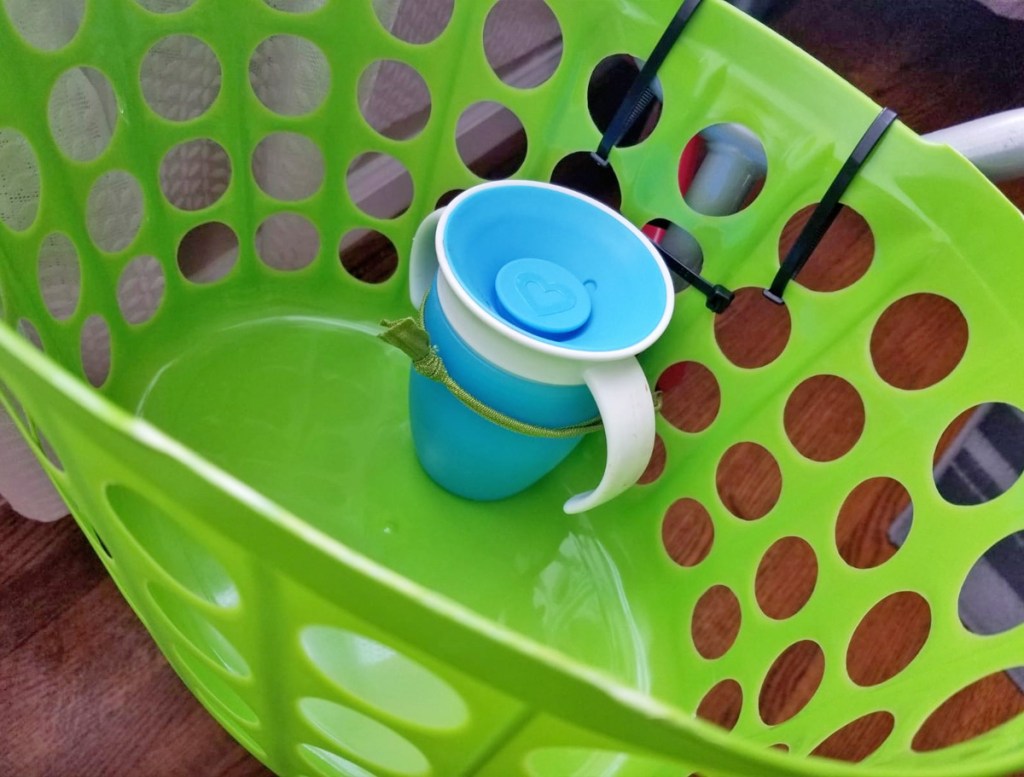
x=19 y=186
x=364 y=738
x=918 y=340
x=46 y=24
x=368 y=255
x=208 y=252
x=181 y=77
x=722 y=705
x=716 y=622
x=287 y=241
x=288 y=166
x=749 y=481
x=290 y=75
x=114 y=211
x=417 y=23
x=83 y=113
x=786 y=578
x=60 y=275
x=394 y=99
x=980 y=707
x=979 y=457
x=95 y=350
x=888 y=638
x=753 y=332
x=656 y=465
x=874 y=522
x=491 y=140
x=197 y=632
x=609 y=83
x=859 y=739
x=984 y=606
x=722 y=169
x=140 y=289
x=166 y=6
x=523 y=42
x=687 y=532
x=691 y=396
x=580 y=172
x=791 y=682
x=680 y=245
x=824 y=418
x=195 y=174
x=379 y=185
x=842 y=257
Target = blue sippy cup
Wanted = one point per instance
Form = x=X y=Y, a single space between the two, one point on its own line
x=537 y=300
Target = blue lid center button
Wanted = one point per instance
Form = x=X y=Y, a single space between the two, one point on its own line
x=542 y=297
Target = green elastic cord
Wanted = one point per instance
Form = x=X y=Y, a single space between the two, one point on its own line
x=410 y=336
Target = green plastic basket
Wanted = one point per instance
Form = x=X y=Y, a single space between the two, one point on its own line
x=245 y=470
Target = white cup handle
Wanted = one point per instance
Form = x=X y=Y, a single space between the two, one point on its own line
x=627 y=409
x=423 y=258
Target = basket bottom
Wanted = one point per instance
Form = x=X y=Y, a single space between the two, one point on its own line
x=313 y=413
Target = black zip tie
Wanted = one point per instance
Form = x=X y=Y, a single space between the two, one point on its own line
x=719 y=297
x=829 y=207
x=640 y=93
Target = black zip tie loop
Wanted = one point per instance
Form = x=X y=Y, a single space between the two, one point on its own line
x=640 y=93
x=829 y=207
x=719 y=297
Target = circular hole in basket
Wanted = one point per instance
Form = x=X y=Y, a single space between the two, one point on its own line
x=140 y=289
x=491 y=140
x=656 y=464
x=181 y=556
x=166 y=6
x=680 y=245
x=196 y=631
x=918 y=341
x=290 y=75
x=296 y=6
x=753 y=332
x=857 y=740
x=328 y=764
x=791 y=682
x=842 y=257
x=215 y=690
x=580 y=172
x=1004 y=559
x=364 y=738
x=368 y=255
x=287 y=241
x=716 y=622
x=722 y=705
x=888 y=638
x=867 y=530
x=95 y=349
x=82 y=113
x=687 y=532
x=379 y=185
x=113 y=211
x=446 y=199
x=419 y=24
x=394 y=99
x=46 y=24
x=523 y=42
x=974 y=710
x=51 y=456
x=977 y=458
x=19 y=184
x=181 y=77
x=691 y=396
x=824 y=417
x=384 y=679
x=28 y=330
x=722 y=169
x=208 y=252
x=60 y=275
x=611 y=80
x=749 y=481
x=786 y=578
x=288 y=166
x=195 y=174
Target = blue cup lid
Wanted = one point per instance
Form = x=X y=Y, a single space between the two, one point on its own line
x=542 y=297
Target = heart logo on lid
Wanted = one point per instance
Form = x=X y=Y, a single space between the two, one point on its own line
x=544 y=298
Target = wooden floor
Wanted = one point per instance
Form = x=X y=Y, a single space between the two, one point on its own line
x=83 y=691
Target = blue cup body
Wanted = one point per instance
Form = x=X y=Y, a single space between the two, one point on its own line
x=469 y=455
